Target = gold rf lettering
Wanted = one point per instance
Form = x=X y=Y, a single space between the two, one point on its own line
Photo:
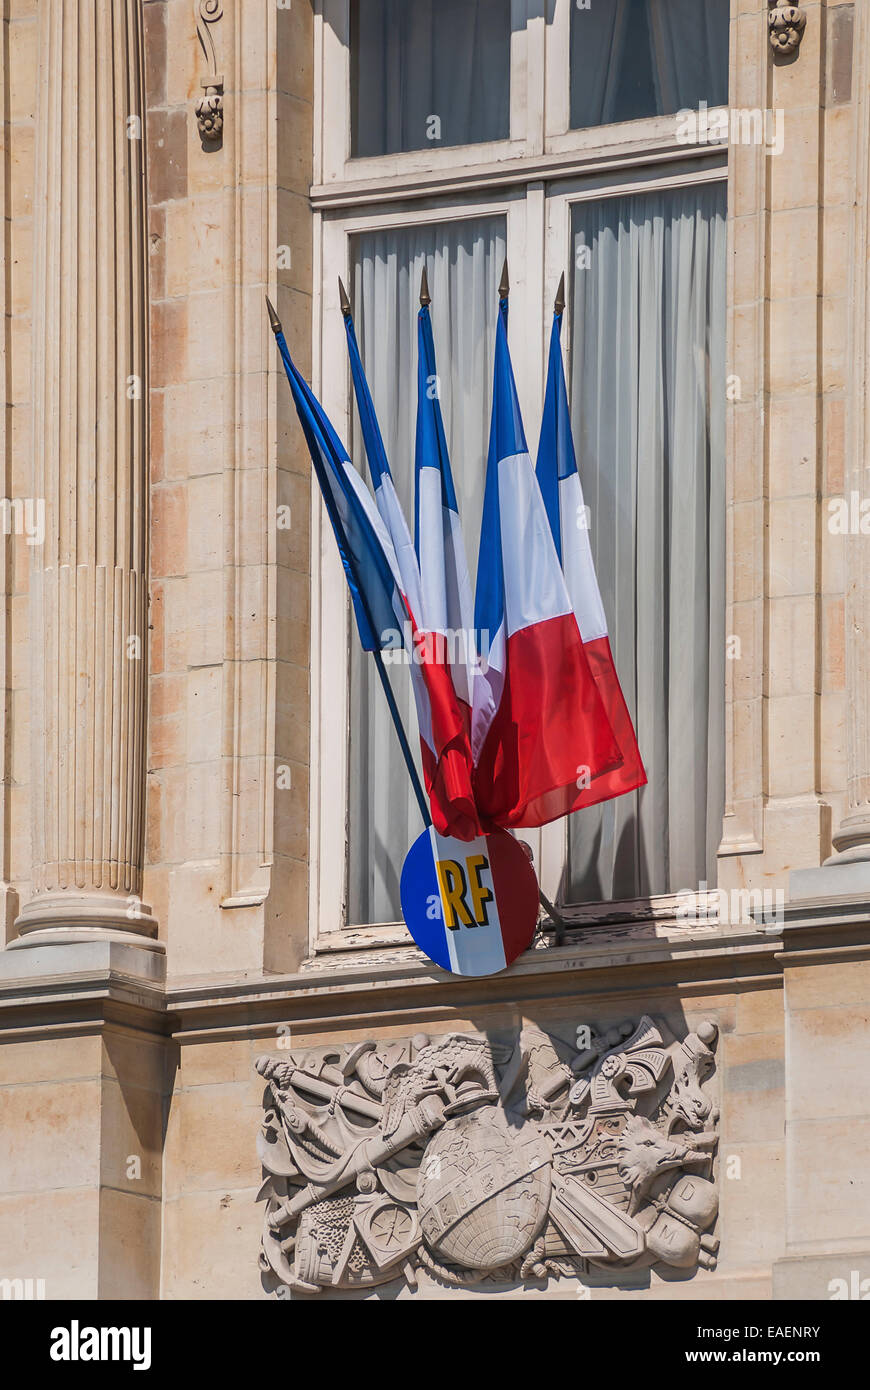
x=458 y=882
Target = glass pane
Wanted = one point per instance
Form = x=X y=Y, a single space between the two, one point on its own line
x=648 y=413
x=463 y=263
x=428 y=73
x=632 y=58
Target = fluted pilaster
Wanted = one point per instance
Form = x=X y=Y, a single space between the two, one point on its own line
x=88 y=586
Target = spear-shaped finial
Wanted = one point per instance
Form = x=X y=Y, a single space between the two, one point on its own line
x=559 y=305
x=343 y=299
x=273 y=317
x=425 y=296
x=504 y=287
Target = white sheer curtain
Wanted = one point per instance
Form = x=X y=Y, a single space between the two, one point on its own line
x=414 y=59
x=632 y=58
x=648 y=397
x=463 y=262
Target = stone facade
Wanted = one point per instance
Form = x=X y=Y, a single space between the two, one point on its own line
x=165 y=165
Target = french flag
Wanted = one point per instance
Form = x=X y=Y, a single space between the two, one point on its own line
x=541 y=732
x=444 y=742
x=447 y=612
x=366 y=551
x=561 y=490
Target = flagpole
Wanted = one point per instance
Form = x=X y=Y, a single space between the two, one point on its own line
x=344 y=300
x=275 y=324
x=277 y=329
x=403 y=741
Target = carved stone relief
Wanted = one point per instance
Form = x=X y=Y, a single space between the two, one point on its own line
x=786 y=24
x=210 y=107
x=480 y=1161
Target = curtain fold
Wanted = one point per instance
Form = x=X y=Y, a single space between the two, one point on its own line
x=690 y=42
x=411 y=61
x=463 y=262
x=597 y=40
x=648 y=393
x=633 y=58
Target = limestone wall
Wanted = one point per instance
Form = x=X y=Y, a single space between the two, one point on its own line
x=136 y=992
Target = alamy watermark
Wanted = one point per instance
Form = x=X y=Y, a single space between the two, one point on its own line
x=22 y=1290
x=762 y=908
x=732 y=126
x=25 y=516
x=450 y=647
x=77 y=1343
x=849 y=516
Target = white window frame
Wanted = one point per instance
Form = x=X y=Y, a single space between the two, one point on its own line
x=332 y=57
x=533 y=181
x=331 y=630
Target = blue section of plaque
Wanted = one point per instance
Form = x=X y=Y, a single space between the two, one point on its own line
x=421 y=901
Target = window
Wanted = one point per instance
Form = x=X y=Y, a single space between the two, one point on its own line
x=428 y=72
x=463 y=262
x=644 y=345
x=648 y=417
x=633 y=58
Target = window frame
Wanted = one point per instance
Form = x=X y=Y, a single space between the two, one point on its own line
x=332 y=19
x=533 y=182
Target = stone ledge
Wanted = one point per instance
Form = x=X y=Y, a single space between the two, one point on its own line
x=811 y=1276
x=61 y=984
x=43 y=966
x=369 y=992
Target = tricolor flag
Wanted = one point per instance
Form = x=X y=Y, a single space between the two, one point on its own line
x=560 y=487
x=447 y=603
x=386 y=497
x=543 y=733
x=366 y=550
x=444 y=741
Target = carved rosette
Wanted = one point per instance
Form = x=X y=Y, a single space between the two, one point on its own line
x=210 y=107
x=488 y=1163
x=786 y=24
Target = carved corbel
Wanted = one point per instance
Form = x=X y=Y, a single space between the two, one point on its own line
x=786 y=24
x=210 y=107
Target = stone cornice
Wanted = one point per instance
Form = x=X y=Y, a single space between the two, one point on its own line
x=79 y=987
x=399 y=994
x=62 y=987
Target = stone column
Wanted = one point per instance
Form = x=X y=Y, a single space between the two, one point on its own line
x=90 y=459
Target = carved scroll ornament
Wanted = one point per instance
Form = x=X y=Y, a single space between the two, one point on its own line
x=483 y=1163
x=210 y=107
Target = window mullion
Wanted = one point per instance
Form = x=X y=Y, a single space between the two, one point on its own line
x=535 y=35
x=557 y=76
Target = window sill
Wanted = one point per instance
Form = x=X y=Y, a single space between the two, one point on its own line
x=643 y=918
x=388 y=183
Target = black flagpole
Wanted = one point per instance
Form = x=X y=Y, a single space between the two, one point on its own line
x=379 y=663
x=557 y=920
x=403 y=741
x=277 y=329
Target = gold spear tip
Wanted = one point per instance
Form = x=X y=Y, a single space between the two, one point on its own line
x=273 y=317
x=425 y=296
x=504 y=287
x=560 y=296
x=343 y=298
